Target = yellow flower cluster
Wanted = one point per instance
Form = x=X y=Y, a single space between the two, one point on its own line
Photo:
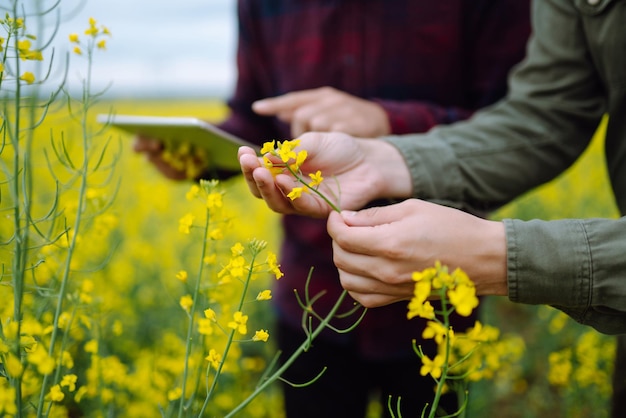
x=583 y=365
x=456 y=286
x=94 y=34
x=20 y=41
x=478 y=353
x=287 y=159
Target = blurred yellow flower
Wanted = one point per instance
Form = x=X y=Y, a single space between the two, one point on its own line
x=435 y=330
x=420 y=309
x=210 y=314
x=186 y=302
x=463 y=298
x=182 y=276
x=69 y=381
x=55 y=394
x=91 y=347
x=13 y=366
x=74 y=38
x=214 y=358
x=174 y=394
x=237 y=249
x=432 y=367
x=205 y=326
x=28 y=77
x=272 y=262
x=214 y=200
x=185 y=223
x=193 y=192
x=264 y=295
x=239 y=323
x=261 y=335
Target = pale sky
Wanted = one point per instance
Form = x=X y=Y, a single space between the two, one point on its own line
x=158 y=47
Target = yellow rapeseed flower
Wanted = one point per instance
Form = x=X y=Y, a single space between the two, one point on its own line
x=214 y=200
x=193 y=192
x=174 y=394
x=420 y=309
x=186 y=302
x=463 y=298
x=69 y=381
x=268 y=147
x=55 y=394
x=28 y=77
x=182 y=276
x=91 y=347
x=214 y=358
x=432 y=367
x=185 y=223
x=13 y=365
x=435 y=330
x=286 y=150
x=205 y=326
x=210 y=314
x=237 y=249
x=316 y=178
x=261 y=335
x=295 y=193
x=74 y=38
x=40 y=358
x=239 y=323
x=7 y=399
x=264 y=295
x=274 y=267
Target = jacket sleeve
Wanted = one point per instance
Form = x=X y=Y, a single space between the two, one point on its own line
x=555 y=103
x=577 y=266
x=494 y=35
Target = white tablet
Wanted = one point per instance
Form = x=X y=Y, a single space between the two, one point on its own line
x=220 y=145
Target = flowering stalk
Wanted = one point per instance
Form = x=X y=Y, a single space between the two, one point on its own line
x=192 y=311
x=84 y=172
x=256 y=247
x=457 y=294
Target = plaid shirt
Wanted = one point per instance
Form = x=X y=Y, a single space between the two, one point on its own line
x=426 y=62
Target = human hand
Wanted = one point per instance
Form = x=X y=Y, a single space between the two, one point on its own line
x=174 y=168
x=356 y=172
x=377 y=250
x=326 y=109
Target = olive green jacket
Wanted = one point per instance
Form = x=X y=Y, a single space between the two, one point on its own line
x=574 y=73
